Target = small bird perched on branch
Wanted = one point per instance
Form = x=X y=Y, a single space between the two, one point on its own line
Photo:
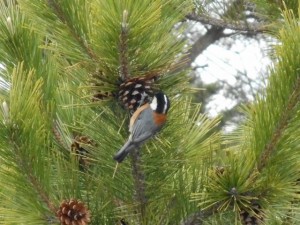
x=144 y=123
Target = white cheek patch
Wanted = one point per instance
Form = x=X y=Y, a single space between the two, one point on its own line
x=153 y=104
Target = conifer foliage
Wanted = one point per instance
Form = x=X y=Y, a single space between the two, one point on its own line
x=73 y=72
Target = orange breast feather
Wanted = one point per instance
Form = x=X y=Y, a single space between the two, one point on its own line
x=159 y=119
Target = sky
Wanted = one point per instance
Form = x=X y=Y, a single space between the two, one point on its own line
x=219 y=62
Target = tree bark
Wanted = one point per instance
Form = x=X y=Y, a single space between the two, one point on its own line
x=211 y=36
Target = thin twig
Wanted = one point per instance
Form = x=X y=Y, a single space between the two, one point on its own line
x=139 y=181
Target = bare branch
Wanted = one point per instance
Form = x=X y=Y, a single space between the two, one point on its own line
x=216 y=31
x=210 y=37
x=252 y=28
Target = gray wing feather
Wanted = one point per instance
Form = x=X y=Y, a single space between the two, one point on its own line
x=142 y=130
x=123 y=152
x=144 y=127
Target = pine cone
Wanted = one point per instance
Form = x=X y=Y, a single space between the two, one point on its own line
x=77 y=147
x=136 y=91
x=252 y=216
x=101 y=95
x=101 y=85
x=73 y=212
x=122 y=222
x=219 y=170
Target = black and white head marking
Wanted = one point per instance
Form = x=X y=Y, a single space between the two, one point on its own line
x=160 y=103
x=153 y=104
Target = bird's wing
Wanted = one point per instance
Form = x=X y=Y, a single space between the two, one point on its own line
x=143 y=127
x=136 y=115
x=123 y=152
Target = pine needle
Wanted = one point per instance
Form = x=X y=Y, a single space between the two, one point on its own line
x=115 y=170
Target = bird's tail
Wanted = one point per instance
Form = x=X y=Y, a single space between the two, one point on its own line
x=123 y=152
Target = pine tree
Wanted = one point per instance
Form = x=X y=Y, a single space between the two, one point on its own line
x=71 y=71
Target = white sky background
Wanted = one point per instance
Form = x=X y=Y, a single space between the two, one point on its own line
x=219 y=62
x=223 y=60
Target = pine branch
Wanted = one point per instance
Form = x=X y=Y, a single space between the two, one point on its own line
x=250 y=28
x=124 y=64
x=23 y=164
x=59 y=13
x=41 y=192
x=26 y=147
x=282 y=124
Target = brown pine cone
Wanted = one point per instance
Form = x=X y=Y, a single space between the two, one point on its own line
x=73 y=212
x=136 y=91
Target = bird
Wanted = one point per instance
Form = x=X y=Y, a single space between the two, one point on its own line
x=145 y=122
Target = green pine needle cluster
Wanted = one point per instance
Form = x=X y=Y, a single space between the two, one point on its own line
x=261 y=161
